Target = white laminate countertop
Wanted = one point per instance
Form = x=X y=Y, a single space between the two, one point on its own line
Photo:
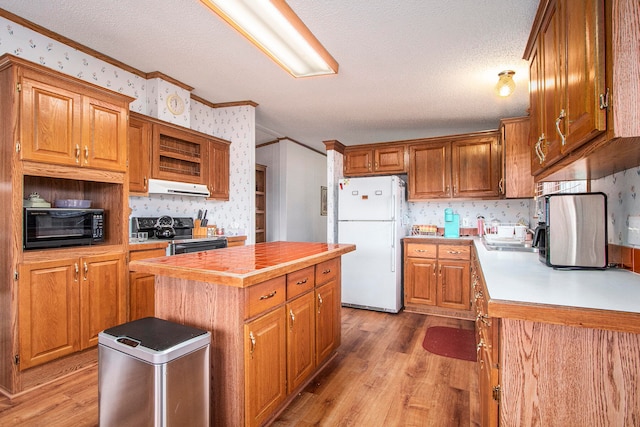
x=521 y=277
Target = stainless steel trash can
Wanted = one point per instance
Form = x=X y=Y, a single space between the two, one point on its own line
x=152 y=372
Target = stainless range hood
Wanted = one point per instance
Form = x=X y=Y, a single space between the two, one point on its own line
x=159 y=186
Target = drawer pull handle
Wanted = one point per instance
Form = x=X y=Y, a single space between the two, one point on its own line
x=253 y=343
x=270 y=295
x=327 y=271
x=422 y=250
x=302 y=282
x=454 y=252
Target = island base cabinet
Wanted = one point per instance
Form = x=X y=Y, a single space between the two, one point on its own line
x=265 y=366
x=301 y=345
x=556 y=375
x=327 y=320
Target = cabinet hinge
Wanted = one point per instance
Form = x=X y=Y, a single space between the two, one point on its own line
x=18 y=147
x=496 y=393
x=19 y=87
x=16 y=359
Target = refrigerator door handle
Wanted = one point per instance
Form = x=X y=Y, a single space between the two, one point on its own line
x=392 y=252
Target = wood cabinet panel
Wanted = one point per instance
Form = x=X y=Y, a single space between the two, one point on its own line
x=218 y=170
x=64 y=304
x=102 y=299
x=430 y=171
x=517 y=180
x=420 y=281
x=327 y=307
x=476 y=167
x=265 y=366
x=327 y=271
x=50 y=125
x=300 y=281
x=179 y=155
x=104 y=135
x=139 y=155
x=265 y=295
x=301 y=356
x=454 y=281
x=437 y=278
x=374 y=159
x=48 y=311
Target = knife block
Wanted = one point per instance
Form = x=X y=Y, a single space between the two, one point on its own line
x=198 y=229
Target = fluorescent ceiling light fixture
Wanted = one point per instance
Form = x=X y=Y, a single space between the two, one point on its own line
x=276 y=30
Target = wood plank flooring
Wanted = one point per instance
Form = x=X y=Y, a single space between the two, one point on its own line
x=381 y=377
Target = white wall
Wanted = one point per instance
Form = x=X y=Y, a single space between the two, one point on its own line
x=294 y=177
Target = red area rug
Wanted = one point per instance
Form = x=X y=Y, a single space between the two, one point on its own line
x=451 y=342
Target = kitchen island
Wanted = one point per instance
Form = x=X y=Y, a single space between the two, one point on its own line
x=555 y=347
x=273 y=310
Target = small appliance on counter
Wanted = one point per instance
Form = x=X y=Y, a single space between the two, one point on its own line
x=451 y=223
x=574 y=233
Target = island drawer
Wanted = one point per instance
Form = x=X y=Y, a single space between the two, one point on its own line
x=265 y=295
x=327 y=271
x=422 y=250
x=300 y=281
x=454 y=252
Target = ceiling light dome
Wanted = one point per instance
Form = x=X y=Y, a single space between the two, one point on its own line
x=506 y=85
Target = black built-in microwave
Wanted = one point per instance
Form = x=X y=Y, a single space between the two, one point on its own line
x=58 y=227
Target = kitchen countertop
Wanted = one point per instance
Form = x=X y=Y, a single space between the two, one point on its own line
x=522 y=287
x=242 y=266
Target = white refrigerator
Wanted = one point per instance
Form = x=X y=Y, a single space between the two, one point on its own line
x=370 y=215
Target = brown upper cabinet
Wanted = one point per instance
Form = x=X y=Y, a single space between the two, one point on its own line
x=517 y=179
x=378 y=159
x=583 y=59
x=67 y=123
x=570 y=79
x=463 y=166
x=161 y=150
x=178 y=155
x=139 y=154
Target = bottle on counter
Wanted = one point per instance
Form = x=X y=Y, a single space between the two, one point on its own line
x=480 y=225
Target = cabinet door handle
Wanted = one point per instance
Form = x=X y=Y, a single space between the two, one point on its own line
x=293 y=318
x=77 y=153
x=86 y=154
x=376 y=165
x=604 y=100
x=86 y=270
x=561 y=117
x=253 y=343
x=75 y=277
x=319 y=302
x=455 y=190
x=269 y=295
x=539 y=151
x=145 y=182
x=302 y=282
x=501 y=186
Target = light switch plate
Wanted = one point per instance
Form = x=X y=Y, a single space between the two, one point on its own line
x=634 y=230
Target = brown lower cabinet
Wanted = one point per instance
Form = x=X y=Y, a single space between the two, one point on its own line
x=141 y=285
x=64 y=303
x=284 y=347
x=436 y=277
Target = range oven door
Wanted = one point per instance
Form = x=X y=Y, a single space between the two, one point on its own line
x=187 y=247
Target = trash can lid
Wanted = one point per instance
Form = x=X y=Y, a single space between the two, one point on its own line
x=156 y=334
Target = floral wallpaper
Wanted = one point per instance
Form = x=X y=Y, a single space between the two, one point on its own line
x=505 y=211
x=235 y=124
x=622 y=202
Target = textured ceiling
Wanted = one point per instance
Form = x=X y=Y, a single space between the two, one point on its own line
x=408 y=68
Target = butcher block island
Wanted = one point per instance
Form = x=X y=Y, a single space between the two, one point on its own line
x=273 y=310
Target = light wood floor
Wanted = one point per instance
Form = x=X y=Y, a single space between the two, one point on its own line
x=381 y=377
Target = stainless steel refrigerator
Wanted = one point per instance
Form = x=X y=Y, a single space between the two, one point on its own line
x=370 y=215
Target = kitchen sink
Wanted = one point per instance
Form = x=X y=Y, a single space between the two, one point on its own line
x=508 y=245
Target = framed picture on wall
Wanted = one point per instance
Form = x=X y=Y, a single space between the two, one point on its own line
x=323 y=201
